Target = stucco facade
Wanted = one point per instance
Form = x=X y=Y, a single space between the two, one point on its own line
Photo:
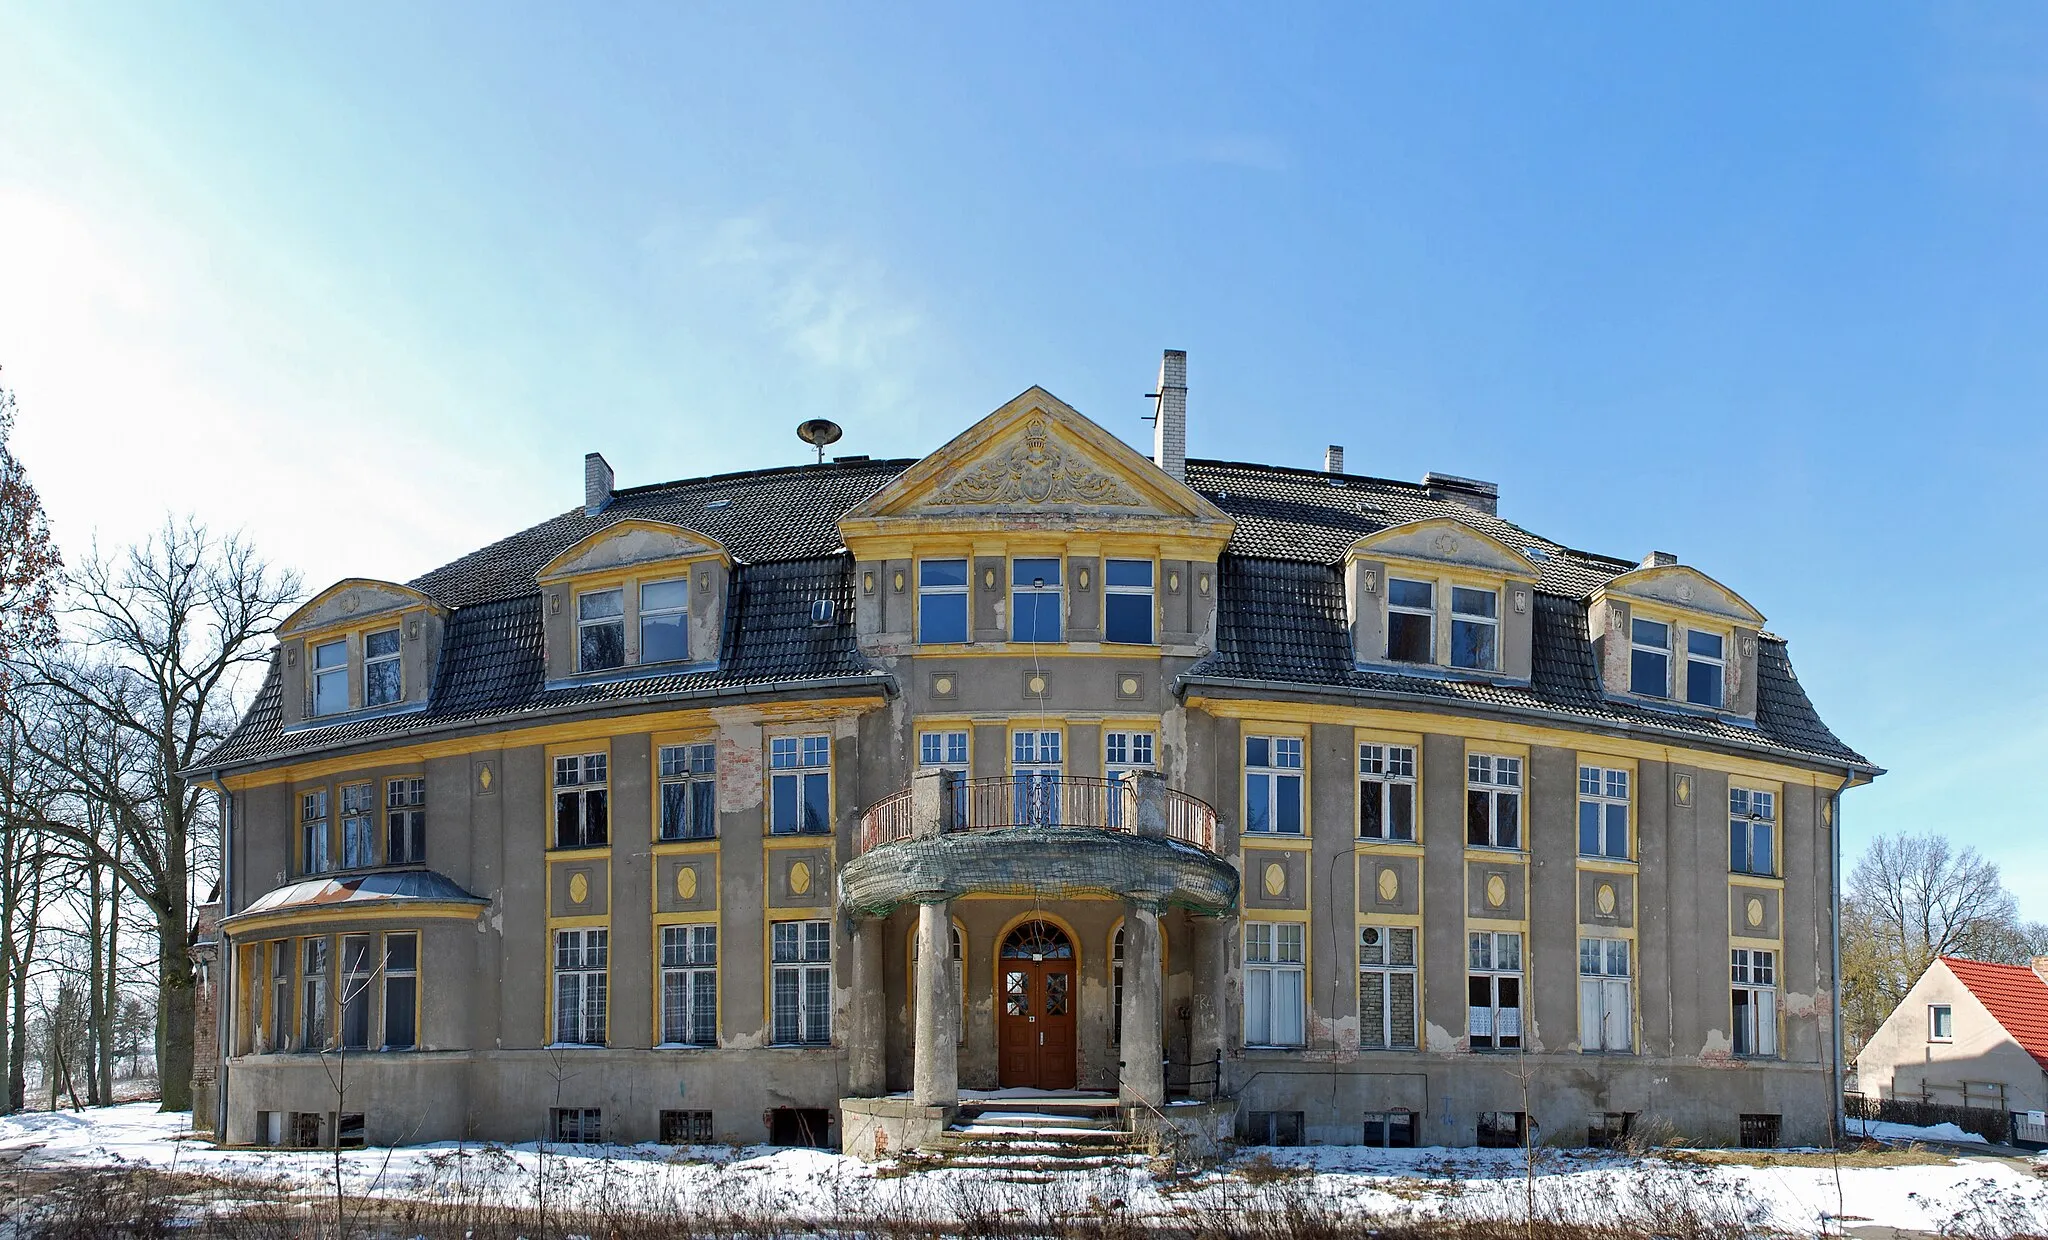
x=668 y=796
x=1967 y=1034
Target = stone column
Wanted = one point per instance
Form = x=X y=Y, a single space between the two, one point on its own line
x=1151 y=801
x=867 y=1029
x=1207 y=1036
x=935 y=1069
x=1143 y=1075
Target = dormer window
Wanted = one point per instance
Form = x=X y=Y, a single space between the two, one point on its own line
x=1411 y=621
x=330 y=677
x=1705 y=668
x=600 y=630
x=383 y=681
x=1649 y=658
x=665 y=621
x=1035 y=600
x=1475 y=629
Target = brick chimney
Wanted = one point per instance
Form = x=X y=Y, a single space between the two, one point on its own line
x=2041 y=967
x=1170 y=423
x=1333 y=459
x=1471 y=492
x=1659 y=559
x=597 y=483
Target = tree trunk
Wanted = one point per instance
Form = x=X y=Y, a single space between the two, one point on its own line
x=10 y=893
x=95 y=998
x=17 y=1061
x=174 y=1006
x=110 y=1004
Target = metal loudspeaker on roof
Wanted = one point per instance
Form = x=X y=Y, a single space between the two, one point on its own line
x=819 y=432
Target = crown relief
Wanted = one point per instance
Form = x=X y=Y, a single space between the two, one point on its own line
x=1035 y=470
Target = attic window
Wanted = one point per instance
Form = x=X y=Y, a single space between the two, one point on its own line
x=822 y=611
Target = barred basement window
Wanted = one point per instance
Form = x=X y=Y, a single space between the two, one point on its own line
x=689 y=985
x=1502 y=1130
x=349 y=1131
x=382 y=675
x=1386 y=988
x=1386 y=792
x=1493 y=801
x=582 y=807
x=1759 y=1132
x=581 y=976
x=686 y=1128
x=1390 y=1130
x=358 y=828
x=1273 y=1128
x=802 y=960
x=689 y=792
x=575 y=1125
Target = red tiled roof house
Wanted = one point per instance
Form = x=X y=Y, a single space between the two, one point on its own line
x=1968 y=1033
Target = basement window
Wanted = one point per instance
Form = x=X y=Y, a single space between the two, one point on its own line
x=1273 y=1128
x=1759 y=1132
x=810 y=1127
x=1502 y=1130
x=1390 y=1130
x=686 y=1128
x=1607 y=1130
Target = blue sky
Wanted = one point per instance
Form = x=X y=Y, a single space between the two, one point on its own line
x=1764 y=288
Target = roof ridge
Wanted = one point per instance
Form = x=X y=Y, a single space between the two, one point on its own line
x=767 y=471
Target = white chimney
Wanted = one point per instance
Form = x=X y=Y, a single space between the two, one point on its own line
x=1333 y=459
x=1170 y=423
x=597 y=483
x=1659 y=559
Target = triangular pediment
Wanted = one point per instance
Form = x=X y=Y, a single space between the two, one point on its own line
x=1687 y=589
x=350 y=600
x=626 y=543
x=1040 y=461
x=1442 y=540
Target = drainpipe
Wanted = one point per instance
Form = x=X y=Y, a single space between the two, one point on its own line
x=223 y=1007
x=1841 y=1112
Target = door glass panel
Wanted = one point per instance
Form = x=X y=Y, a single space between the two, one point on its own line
x=1017 y=994
x=1056 y=994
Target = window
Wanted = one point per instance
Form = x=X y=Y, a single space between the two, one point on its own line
x=1493 y=801
x=1759 y=1132
x=1704 y=668
x=1035 y=600
x=600 y=630
x=575 y=1125
x=1755 y=995
x=665 y=621
x=800 y=784
x=1603 y=812
x=1123 y=753
x=809 y=1127
x=1127 y=601
x=1475 y=628
x=313 y=850
x=281 y=995
x=1494 y=990
x=1411 y=621
x=1752 y=823
x=1606 y=1015
x=689 y=792
x=1649 y=658
x=348 y=1130
x=947 y=751
x=330 y=677
x=1390 y=1130
x=1275 y=983
x=355 y=992
x=941 y=601
x=1272 y=785
x=1035 y=776
x=313 y=994
x=686 y=1128
x=401 y=991
x=1941 y=1023
x=383 y=679
x=1273 y=1128
x=1386 y=988
x=1606 y=1130
x=581 y=961
x=802 y=984
x=358 y=827
x=1386 y=792
x=405 y=822
x=689 y=985
x=1501 y=1130
x=582 y=812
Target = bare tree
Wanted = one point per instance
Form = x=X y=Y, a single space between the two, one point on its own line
x=29 y=565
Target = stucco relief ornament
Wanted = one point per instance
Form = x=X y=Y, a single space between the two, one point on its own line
x=1446 y=544
x=1685 y=591
x=1035 y=471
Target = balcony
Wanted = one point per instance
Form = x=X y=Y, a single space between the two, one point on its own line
x=1047 y=836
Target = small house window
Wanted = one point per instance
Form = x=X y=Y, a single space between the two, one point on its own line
x=1752 y=831
x=401 y=991
x=405 y=821
x=941 y=601
x=600 y=630
x=665 y=621
x=1272 y=785
x=1704 y=668
x=383 y=679
x=1386 y=792
x=582 y=809
x=1494 y=1002
x=800 y=785
x=689 y=792
x=1493 y=801
x=330 y=677
x=1603 y=813
x=1649 y=658
x=1475 y=629
x=1941 y=1023
x=1127 y=602
x=1035 y=600
x=582 y=960
x=1411 y=621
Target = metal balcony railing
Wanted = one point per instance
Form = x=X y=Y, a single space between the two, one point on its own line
x=1038 y=799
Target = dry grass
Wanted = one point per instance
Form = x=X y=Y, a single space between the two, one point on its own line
x=1859 y=1156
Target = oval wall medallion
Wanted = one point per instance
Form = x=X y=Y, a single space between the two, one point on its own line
x=1130 y=686
x=1390 y=885
x=1173 y=583
x=579 y=888
x=867 y=583
x=988 y=579
x=899 y=583
x=686 y=882
x=1496 y=891
x=1753 y=912
x=1275 y=879
x=799 y=877
x=1084 y=578
x=1603 y=899
x=1202 y=584
x=943 y=685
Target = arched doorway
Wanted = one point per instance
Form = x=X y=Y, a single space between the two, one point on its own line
x=1036 y=1027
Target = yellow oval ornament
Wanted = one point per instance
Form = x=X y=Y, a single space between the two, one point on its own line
x=1754 y=912
x=1604 y=899
x=1390 y=884
x=799 y=877
x=1275 y=878
x=579 y=888
x=1496 y=891
x=686 y=882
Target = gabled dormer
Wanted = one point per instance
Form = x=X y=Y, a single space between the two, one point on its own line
x=634 y=598
x=1668 y=634
x=1441 y=597
x=359 y=646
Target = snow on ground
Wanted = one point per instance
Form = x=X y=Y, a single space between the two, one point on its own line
x=1878 y=1130
x=1352 y=1180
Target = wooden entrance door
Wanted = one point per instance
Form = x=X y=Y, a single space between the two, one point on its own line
x=1035 y=969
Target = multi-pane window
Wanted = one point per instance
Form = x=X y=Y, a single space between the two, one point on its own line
x=1705 y=662
x=1035 y=777
x=947 y=752
x=1502 y=1130
x=1649 y=658
x=600 y=630
x=1752 y=831
x=1386 y=988
x=689 y=791
x=1390 y=1130
x=1275 y=983
x=665 y=621
x=1941 y=1023
x=401 y=991
x=1272 y=785
x=1603 y=812
x=942 y=601
x=1035 y=600
x=1386 y=792
x=358 y=825
x=405 y=821
x=1493 y=801
x=582 y=960
x=1475 y=628
x=582 y=802
x=313 y=994
x=330 y=677
x=1606 y=1015
x=800 y=785
x=313 y=850
x=356 y=977
x=383 y=681
x=1411 y=621
x=1123 y=753
x=689 y=985
x=575 y=1125
x=686 y=1128
x=1494 y=989
x=1755 y=999
x=281 y=995
x=801 y=987
x=1127 y=601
